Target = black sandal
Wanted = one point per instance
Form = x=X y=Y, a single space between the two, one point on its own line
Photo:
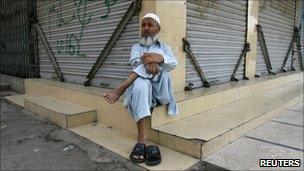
x=153 y=156
x=139 y=150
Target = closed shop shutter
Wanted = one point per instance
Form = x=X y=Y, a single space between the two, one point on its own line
x=277 y=20
x=302 y=37
x=78 y=30
x=216 y=30
x=297 y=24
x=302 y=27
x=14 y=38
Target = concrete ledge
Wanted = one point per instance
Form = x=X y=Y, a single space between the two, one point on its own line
x=16 y=84
x=201 y=149
x=4 y=87
x=221 y=141
x=189 y=103
x=205 y=99
x=214 y=129
x=17 y=99
x=62 y=113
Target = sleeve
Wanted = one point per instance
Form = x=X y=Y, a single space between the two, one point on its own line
x=141 y=71
x=135 y=56
x=170 y=61
x=136 y=63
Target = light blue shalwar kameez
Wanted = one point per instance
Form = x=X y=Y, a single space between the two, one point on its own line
x=149 y=90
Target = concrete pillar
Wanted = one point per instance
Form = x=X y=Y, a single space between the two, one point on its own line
x=172 y=16
x=252 y=21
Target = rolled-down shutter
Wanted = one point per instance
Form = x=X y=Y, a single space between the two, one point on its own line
x=277 y=21
x=216 y=31
x=78 y=30
x=297 y=24
x=300 y=8
x=302 y=37
x=14 y=34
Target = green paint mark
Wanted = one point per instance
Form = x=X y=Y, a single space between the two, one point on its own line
x=108 y=3
x=59 y=12
x=71 y=43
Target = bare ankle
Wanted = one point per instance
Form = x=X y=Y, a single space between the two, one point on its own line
x=141 y=141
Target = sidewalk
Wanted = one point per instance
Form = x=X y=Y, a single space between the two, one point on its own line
x=279 y=138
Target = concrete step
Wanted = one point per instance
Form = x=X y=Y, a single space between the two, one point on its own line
x=190 y=103
x=60 y=112
x=122 y=144
x=205 y=99
x=4 y=87
x=209 y=118
x=203 y=134
x=17 y=99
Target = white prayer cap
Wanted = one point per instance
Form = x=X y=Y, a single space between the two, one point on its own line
x=153 y=16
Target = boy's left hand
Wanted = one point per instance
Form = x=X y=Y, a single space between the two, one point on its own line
x=152 y=68
x=148 y=58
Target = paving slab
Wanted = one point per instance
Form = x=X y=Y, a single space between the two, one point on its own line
x=280 y=133
x=245 y=153
x=298 y=107
x=291 y=117
x=279 y=138
x=122 y=145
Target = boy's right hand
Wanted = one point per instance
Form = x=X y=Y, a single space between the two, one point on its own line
x=152 y=68
x=111 y=97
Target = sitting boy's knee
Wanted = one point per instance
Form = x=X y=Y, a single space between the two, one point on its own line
x=141 y=84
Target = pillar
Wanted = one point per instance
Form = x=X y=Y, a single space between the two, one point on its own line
x=252 y=21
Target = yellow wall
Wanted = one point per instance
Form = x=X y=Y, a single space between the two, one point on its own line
x=252 y=16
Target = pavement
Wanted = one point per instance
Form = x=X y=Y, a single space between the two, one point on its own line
x=30 y=142
x=279 y=138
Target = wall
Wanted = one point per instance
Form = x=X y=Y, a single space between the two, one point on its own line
x=252 y=20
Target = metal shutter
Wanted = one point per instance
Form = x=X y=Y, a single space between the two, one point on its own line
x=302 y=37
x=302 y=28
x=78 y=30
x=277 y=21
x=216 y=30
x=14 y=38
x=297 y=24
x=116 y=68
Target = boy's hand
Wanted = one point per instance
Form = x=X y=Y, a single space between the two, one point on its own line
x=111 y=97
x=148 y=58
x=152 y=68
